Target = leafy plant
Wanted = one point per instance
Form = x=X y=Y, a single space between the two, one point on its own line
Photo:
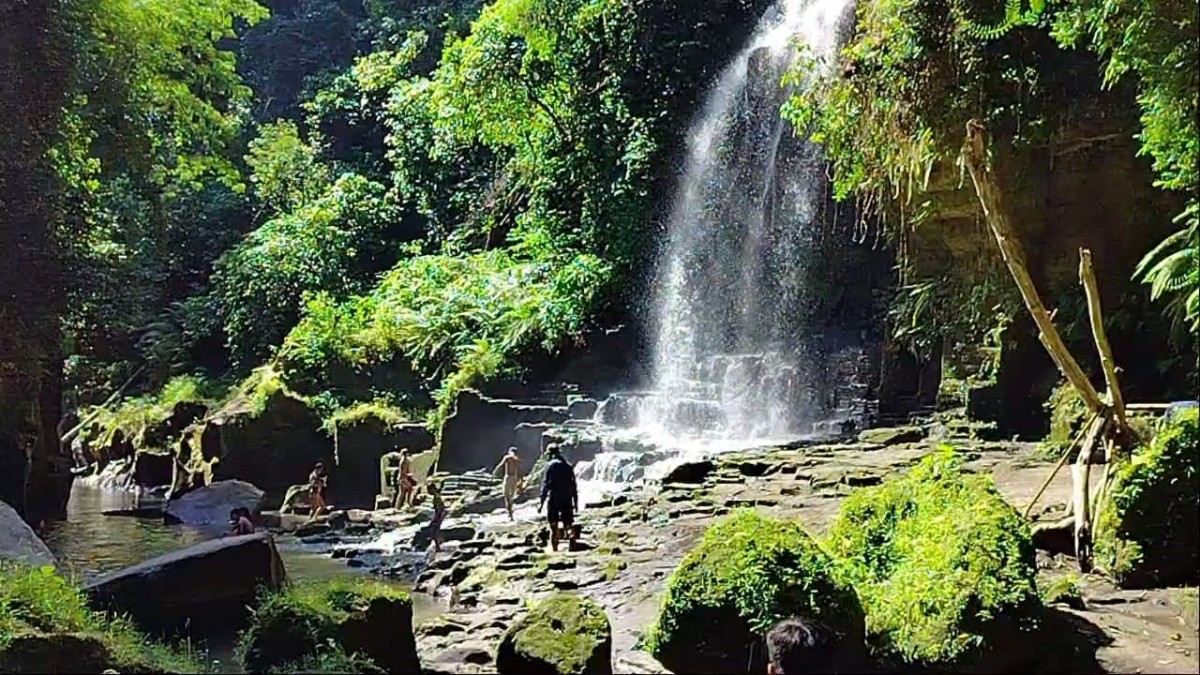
x=37 y=602
x=746 y=574
x=1146 y=531
x=942 y=563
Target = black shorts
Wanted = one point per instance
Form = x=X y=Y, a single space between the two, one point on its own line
x=561 y=513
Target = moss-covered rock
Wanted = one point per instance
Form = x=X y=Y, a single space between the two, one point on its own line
x=748 y=573
x=943 y=565
x=562 y=634
x=1149 y=527
x=47 y=627
x=367 y=621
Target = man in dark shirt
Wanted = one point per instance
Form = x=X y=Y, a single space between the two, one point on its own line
x=558 y=488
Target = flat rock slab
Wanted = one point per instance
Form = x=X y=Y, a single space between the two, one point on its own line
x=19 y=542
x=215 y=583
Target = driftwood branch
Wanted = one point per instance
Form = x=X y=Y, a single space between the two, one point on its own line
x=1087 y=277
x=975 y=157
x=1080 y=497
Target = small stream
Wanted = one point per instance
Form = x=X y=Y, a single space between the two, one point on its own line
x=89 y=544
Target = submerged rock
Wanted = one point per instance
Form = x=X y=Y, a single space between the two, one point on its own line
x=19 y=542
x=211 y=504
x=212 y=583
x=563 y=634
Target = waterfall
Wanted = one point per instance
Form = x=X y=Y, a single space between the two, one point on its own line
x=730 y=357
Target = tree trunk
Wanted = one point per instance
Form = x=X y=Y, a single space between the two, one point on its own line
x=35 y=60
x=975 y=157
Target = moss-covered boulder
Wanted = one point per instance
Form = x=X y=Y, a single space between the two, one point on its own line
x=745 y=575
x=943 y=565
x=367 y=621
x=564 y=634
x=1149 y=526
x=47 y=627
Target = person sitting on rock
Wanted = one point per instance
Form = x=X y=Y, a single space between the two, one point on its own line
x=317 y=481
x=406 y=481
x=239 y=518
x=798 y=646
x=510 y=465
x=558 y=487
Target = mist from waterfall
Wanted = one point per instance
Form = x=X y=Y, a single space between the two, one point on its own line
x=730 y=359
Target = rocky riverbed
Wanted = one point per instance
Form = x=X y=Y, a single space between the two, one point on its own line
x=490 y=569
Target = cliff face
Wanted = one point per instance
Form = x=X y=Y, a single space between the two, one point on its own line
x=1087 y=188
x=34 y=62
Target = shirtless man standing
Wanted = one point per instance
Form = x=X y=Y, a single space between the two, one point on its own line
x=510 y=465
x=406 y=481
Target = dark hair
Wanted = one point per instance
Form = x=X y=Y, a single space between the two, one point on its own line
x=798 y=646
x=553 y=450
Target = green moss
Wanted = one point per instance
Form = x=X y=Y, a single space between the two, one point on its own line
x=1064 y=589
x=35 y=602
x=1147 y=529
x=379 y=409
x=296 y=624
x=137 y=418
x=941 y=562
x=1068 y=412
x=562 y=634
x=746 y=574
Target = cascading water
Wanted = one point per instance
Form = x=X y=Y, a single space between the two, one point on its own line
x=731 y=362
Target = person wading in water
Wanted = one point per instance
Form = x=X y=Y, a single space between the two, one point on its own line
x=510 y=465
x=558 y=488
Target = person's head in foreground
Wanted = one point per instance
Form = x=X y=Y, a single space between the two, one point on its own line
x=552 y=451
x=797 y=645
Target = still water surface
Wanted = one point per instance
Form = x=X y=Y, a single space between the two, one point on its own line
x=89 y=544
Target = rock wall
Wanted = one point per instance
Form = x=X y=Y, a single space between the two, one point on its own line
x=481 y=429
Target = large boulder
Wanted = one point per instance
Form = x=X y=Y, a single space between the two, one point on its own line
x=272 y=443
x=212 y=583
x=480 y=429
x=19 y=542
x=562 y=635
x=944 y=568
x=365 y=619
x=746 y=574
x=211 y=504
x=153 y=468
